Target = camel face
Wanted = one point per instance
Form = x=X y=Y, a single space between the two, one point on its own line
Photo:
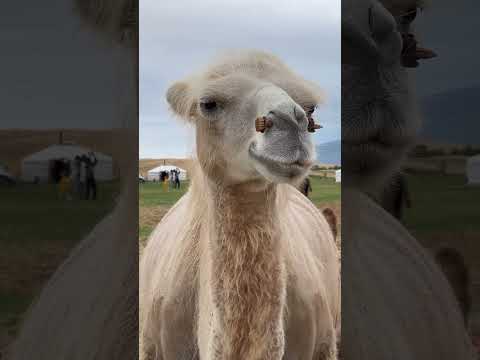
x=379 y=120
x=226 y=115
x=224 y=103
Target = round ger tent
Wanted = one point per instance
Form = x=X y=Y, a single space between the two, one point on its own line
x=38 y=165
x=473 y=169
x=154 y=174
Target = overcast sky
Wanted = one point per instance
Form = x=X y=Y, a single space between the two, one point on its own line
x=55 y=71
x=177 y=37
x=450 y=29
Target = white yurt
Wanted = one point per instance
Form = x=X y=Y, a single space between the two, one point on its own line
x=38 y=166
x=338 y=176
x=473 y=169
x=154 y=174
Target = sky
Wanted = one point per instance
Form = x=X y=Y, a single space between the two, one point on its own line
x=450 y=30
x=56 y=72
x=179 y=37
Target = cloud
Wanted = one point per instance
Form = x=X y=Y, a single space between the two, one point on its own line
x=178 y=37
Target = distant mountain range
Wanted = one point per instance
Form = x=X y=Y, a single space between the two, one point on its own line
x=452 y=117
x=329 y=152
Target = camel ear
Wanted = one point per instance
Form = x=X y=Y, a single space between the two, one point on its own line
x=181 y=101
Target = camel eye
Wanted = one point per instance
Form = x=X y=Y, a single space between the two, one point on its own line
x=208 y=106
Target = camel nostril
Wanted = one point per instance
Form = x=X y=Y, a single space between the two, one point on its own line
x=262 y=123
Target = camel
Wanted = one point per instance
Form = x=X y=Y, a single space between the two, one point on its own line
x=243 y=266
x=398 y=304
x=332 y=221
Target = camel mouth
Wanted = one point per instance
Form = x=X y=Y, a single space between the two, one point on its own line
x=279 y=170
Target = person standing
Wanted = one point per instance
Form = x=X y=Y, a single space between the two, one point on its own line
x=91 y=184
x=83 y=177
x=306 y=187
x=172 y=179
x=164 y=178
x=396 y=196
x=77 y=190
x=177 y=179
x=64 y=186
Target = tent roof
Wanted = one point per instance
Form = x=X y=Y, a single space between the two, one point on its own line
x=63 y=152
x=165 y=168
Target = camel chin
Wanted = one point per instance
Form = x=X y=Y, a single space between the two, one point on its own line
x=281 y=170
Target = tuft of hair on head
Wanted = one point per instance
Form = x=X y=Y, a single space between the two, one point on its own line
x=181 y=100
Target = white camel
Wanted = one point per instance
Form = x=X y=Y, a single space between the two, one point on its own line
x=243 y=266
x=397 y=304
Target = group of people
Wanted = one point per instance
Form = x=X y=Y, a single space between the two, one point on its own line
x=172 y=177
x=82 y=178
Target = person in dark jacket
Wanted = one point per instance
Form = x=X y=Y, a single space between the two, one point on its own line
x=177 y=178
x=396 y=196
x=306 y=187
x=91 y=184
x=78 y=184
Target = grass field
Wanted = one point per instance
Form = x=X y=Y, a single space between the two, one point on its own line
x=154 y=202
x=445 y=212
x=442 y=203
x=38 y=231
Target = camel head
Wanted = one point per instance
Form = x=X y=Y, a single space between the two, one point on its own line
x=379 y=117
x=224 y=103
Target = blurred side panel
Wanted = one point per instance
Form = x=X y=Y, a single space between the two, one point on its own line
x=68 y=187
x=410 y=155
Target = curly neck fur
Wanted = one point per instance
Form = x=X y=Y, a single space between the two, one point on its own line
x=247 y=281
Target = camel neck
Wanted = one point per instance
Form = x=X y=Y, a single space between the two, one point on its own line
x=247 y=275
x=236 y=206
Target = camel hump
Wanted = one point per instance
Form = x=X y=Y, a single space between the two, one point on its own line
x=331 y=218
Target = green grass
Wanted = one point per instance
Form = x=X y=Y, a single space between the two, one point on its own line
x=34 y=213
x=151 y=194
x=38 y=231
x=442 y=203
x=324 y=190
